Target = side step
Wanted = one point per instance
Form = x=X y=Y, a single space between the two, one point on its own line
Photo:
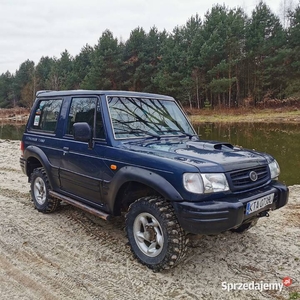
x=80 y=205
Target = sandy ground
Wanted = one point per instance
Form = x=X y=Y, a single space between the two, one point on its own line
x=73 y=255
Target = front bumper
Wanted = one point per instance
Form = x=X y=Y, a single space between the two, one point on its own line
x=213 y=217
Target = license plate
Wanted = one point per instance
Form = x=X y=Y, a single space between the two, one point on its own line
x=257 y=204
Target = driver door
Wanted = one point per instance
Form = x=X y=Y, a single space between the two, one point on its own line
x=82 y=167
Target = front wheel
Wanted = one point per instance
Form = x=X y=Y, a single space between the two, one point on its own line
x=40 y=192
x=154 y=234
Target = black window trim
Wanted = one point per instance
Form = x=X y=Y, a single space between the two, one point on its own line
x=70 y=136
x=37 y=103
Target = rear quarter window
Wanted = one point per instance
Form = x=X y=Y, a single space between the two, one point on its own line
x=46 y=115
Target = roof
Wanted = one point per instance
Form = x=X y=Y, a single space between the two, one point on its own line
x=48 y=93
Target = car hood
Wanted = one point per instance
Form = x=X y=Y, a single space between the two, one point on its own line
x=207 y=156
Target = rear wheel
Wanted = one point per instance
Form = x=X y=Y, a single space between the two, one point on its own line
x=40 y=192
x=154 y=234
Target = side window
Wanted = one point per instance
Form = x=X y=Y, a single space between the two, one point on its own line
x=46 y=115
x=83 y=110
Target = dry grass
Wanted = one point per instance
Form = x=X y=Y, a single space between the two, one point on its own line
x=281 y=115
x=276 y=115
x=12 y=115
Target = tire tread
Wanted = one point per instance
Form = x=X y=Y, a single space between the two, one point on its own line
x=52 y=203
x=177 y=242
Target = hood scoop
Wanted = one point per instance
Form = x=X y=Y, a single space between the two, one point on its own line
x=209 y=145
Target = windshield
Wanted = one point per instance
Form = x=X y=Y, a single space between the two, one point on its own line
x=137 y=117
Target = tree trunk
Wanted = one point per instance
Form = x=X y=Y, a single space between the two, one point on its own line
x=197 y=92
x=230 y=84
x=190 y=101
x=237 y=87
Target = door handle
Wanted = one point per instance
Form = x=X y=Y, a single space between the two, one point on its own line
x=65 y=149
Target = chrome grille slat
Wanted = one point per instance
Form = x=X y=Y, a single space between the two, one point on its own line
x=240 y=179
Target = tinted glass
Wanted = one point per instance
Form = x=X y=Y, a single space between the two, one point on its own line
x=137 y=117
x=83 y=110
x=46 y=115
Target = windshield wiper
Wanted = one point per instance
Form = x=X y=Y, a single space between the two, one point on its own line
x=179 y=131
x=137 y=130
x=155 y=135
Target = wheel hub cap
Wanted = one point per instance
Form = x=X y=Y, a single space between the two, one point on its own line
x=40 y=191
x=148 y=234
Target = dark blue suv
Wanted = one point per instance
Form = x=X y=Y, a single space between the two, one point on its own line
x=114 y=152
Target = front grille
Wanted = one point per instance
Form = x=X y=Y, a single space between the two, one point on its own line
x=241 y=179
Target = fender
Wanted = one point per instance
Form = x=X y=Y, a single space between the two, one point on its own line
x=36 y=152
x=149 y=178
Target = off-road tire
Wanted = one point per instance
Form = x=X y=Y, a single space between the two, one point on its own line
x=245 y=227
x=40 y=192
x=168 y=236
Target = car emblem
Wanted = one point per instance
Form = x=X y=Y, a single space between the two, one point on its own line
x=253 y=176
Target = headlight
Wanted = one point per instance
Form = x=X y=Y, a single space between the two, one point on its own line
x=274 y=169
x=205 y=183
x=193 y=183
x=215 y=182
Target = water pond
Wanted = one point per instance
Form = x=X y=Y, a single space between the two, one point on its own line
x=280 y=140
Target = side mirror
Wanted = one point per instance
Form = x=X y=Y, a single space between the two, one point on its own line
x=82 y=132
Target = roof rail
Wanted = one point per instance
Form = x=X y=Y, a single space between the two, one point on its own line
x=42 y=91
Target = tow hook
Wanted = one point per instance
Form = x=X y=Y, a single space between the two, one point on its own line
x=264 y=214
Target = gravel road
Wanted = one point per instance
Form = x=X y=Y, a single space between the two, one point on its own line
x=71 y=254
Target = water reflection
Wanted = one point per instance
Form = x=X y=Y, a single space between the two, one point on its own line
x=11 y=131
x=280 y=140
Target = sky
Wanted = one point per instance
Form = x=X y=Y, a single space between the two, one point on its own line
x=31 y=29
